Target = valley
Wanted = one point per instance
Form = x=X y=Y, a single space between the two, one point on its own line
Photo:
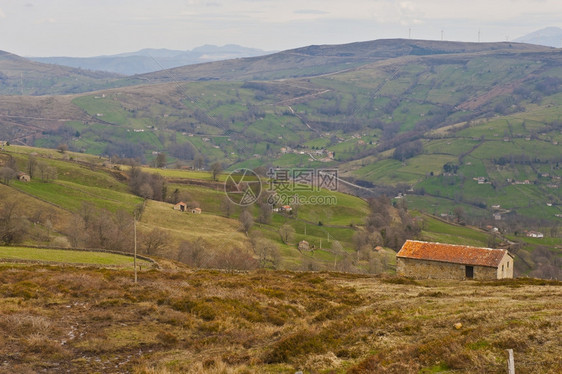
x=353 y=149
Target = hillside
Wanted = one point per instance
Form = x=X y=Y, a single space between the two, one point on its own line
x=549 y=36
x=80 y=200
x=20 y=76
x=322 y=59
x=183 y=321
x=394 y=116
x=72 y=311
x=77 y=200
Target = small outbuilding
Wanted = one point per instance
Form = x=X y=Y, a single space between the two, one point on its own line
x=196 y=210
x=535 y=234
x=419 y=259
x=181 y=206
x=23 y=177
x=303 y=246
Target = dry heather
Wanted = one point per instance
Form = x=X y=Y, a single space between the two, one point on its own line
x=55 y=319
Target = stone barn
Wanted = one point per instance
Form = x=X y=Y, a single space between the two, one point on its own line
x=447 y=261
x=21 y=176
x=181 y=206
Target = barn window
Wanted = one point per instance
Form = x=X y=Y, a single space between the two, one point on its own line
x=502 y=268
x=508 y=264
x=469 y=272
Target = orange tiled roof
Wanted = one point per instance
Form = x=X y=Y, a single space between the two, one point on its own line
x=458 y=254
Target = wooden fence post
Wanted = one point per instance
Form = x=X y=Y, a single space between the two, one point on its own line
x=510 y=362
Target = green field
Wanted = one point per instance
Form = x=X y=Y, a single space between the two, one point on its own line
x=440 y=231
x=69 y=257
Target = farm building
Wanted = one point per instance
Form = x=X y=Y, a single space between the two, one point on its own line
x=196 y=210
x=21 y=176
x=447 y=261
x=181 y=206
x=304 y=246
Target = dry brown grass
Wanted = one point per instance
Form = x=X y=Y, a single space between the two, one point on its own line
x=181 y=321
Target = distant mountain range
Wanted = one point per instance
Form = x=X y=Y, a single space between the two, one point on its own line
x=549 y=36
x=150 y=60
x=23 y=76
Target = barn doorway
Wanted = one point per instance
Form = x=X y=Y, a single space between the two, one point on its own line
x=469 y=272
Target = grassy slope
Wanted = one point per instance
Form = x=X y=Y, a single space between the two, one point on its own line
x=528 y=200
x=88 y=320
x=35 y=78
x=426 y=85
x=217 y=231
x=439 y=231
x=320 y=225
x=77 y=184
x=68 y=256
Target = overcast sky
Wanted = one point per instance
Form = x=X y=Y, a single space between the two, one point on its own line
x=96 y=27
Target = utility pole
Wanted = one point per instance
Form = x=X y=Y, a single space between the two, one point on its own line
x=137 y=214
x=135 y=253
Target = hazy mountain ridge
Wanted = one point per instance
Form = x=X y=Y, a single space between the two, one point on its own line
x=549 y=36
x=151 y=59
x=20 y=76
x=324 y=59
x=23 y=76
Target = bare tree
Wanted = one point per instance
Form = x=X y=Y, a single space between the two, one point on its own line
x=160 y=160
x=7 y=174
x=31 y=166
x=267 y=252
x=62 y=148
x=227 y=206
x=375 y=265
x=46 y=172
x=287 y=233
x=87 y=211
x=246 y=221
x=338 y=251
x=146 y=191
x=216 y=169
x=234 y=259
x=458 y=211
x=266 y=211
x=75 y=231
x=13 y=228
x=198 y=162
x=11 y=163
x=155 y=240
x=193 y=253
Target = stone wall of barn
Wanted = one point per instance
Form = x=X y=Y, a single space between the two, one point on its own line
x=424 y=269
x=505 y=268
